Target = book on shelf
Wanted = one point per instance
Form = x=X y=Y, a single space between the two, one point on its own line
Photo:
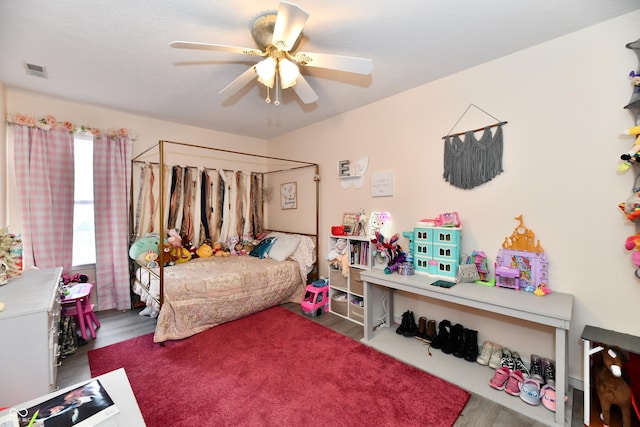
x=83 y=406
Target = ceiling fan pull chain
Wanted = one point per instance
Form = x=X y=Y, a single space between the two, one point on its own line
x=267 y=99
x=277 y=88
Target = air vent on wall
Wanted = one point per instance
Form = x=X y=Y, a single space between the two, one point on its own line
x=35 y=70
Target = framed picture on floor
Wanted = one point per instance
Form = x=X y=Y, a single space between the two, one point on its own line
x=289 y=195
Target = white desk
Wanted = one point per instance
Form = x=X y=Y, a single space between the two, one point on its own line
x=117 y=385
x=552 y=310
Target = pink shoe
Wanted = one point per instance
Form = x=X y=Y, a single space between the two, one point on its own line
x=514 y=383
x=500 y=378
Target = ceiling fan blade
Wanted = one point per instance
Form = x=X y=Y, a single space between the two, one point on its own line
x=217 y=47
x=304 y=91
x=335 y=62
x=289 y=23
x=241 y=81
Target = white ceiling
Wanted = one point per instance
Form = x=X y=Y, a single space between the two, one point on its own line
x=116 y=53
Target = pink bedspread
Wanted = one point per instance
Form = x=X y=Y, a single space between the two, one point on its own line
x=206 y=292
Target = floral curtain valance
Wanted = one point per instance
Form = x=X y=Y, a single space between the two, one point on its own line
x=49 y=122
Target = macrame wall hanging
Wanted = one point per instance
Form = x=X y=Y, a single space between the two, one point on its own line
x=471 y=162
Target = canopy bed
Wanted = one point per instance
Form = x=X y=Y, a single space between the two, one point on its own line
x=226 y=200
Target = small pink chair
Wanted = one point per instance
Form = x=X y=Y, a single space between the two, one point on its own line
x=78 y=304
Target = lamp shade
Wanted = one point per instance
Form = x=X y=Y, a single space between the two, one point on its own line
x=266 y=70
x=288 y=73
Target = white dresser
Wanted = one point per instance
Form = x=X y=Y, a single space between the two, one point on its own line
x=29 y=335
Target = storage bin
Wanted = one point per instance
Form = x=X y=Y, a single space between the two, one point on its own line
x=357 y=287
x=355 y=282
x=339 y=304
x=337 y=280
x=356 y=313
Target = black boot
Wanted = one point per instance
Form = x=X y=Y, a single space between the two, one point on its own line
x=458 y=351
x=454 y=338
x=412 y=328
x=471 y=348
x=402 y=329
x=444 y=329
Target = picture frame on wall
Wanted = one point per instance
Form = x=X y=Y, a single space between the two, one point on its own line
x=289 y=195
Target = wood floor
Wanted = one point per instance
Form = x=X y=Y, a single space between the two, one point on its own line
x=119 y=326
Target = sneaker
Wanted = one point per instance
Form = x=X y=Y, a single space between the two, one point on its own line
x=507 y=359
x=549 y=397
x=499 y=378
x=485 y=353
x=496 y=356
x=514 y=383
x=530 y=392
x=520 y=366
x=536 y=372
x=549 y=372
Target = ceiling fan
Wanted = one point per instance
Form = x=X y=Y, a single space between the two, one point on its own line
x=278 y=35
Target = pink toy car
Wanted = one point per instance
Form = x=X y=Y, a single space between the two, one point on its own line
x=315 y=300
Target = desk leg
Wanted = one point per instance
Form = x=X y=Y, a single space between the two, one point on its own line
x=587 y=352
x=368 y=311
x=83 y=331
x=373 y=294
x=587 y=382
x=561 y=374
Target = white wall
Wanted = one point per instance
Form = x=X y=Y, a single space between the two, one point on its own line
x=563 y=102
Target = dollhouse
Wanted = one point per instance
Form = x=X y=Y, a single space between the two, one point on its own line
x=521 y=262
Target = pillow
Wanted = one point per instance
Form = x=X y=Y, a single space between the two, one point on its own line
x=262 y=250
x=284 y=246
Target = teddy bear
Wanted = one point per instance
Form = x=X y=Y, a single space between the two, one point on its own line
x=219 y=250
x=205 y=250
x=169 y=256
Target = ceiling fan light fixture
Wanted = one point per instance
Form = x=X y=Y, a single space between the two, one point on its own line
x=289 y=73
x=266 y=70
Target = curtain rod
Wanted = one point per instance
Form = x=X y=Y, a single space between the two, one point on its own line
x=475 y=130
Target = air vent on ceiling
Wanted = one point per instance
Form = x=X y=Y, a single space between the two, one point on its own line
x=35 y=70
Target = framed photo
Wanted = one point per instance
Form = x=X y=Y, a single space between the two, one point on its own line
x=289 y=195
x=350 y=222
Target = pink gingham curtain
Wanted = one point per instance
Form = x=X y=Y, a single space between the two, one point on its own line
x=44 y=179
x=111 y=180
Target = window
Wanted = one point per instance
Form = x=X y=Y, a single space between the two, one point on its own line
x=84 y=242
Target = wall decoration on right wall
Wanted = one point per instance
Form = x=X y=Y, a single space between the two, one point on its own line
x=472 y=162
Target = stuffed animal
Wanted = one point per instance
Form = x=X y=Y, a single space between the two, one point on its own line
x=152 y=259
x=219 y=250
x=631 y=156
x=174 y=238
x=181 y=255
x=338 y=250
x=169 y=256
x=144 y=244
x=205 y=250
x=611 y=386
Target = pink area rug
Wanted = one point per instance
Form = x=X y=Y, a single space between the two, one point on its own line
x=277 y=368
